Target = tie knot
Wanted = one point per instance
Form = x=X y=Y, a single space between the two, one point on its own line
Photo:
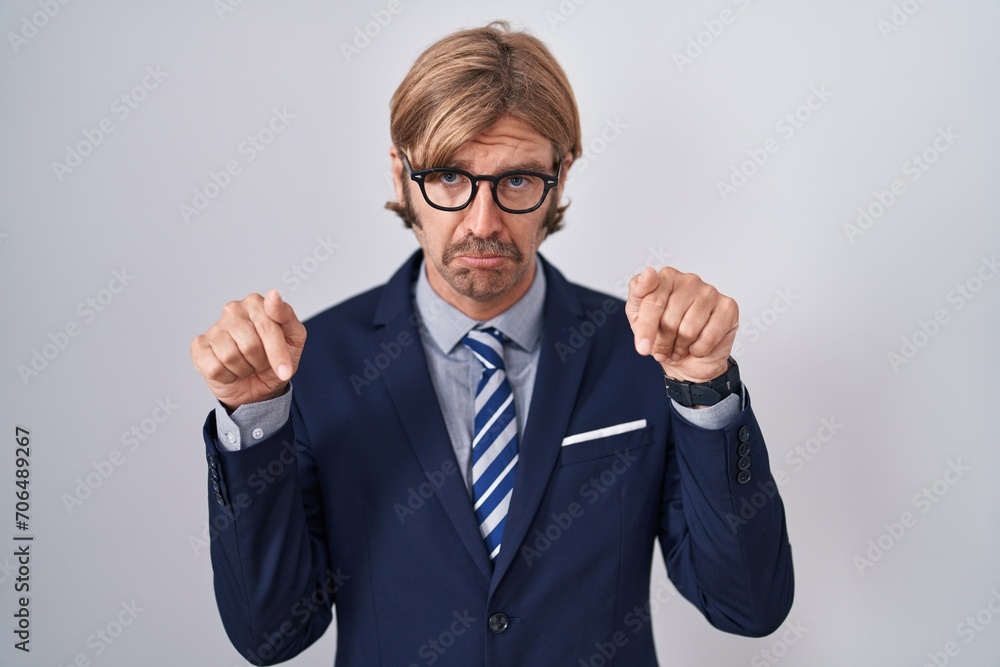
x=487 y=346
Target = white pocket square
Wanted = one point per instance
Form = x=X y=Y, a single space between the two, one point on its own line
x=604 y=432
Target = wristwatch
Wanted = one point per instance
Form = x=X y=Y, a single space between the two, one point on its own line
x=690 y=394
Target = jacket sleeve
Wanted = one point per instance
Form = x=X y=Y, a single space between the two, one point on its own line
x=722 y=528
x=274 y=584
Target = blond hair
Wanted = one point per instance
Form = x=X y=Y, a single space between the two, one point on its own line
x=463 y=84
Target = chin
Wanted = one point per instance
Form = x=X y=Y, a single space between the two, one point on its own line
x=481 y=284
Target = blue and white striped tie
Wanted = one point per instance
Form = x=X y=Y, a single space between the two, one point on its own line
x=494 y=443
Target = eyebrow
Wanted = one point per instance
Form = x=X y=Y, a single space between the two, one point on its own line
x=532 y=165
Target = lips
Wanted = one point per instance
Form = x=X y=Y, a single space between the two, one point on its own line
x=482 y=261
x=477 y=252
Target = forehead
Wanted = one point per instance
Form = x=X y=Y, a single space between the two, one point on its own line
x=510 y=142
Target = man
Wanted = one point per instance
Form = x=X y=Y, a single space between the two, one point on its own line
x=477 y=457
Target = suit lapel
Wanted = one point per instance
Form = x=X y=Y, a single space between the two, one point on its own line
x=409 y=384
x=557 y=383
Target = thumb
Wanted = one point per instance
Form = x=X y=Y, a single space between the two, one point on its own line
x=641 y=285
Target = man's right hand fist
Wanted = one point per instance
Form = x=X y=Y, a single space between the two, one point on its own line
x=251 y=353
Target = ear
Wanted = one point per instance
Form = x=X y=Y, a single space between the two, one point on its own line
x=567 y=162
x=397 y=173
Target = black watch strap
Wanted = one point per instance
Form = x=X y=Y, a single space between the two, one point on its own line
x=690 y=394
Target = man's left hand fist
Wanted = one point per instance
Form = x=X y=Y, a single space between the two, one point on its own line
x=683 y=322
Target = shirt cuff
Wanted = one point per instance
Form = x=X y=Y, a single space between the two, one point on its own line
x=715 y=416
x=252 y=422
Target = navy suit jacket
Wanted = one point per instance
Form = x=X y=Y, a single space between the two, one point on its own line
x=358 y=502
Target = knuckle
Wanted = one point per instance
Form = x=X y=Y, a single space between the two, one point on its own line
x=197 y=345
x=251 y=346
x=266 y=325
x=669 y=272
x=687 y=331
x=229 y=357
x=656 y=301
x=215 y=370
x=699 y=348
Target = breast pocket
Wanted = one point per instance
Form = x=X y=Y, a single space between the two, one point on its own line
x=606 y=441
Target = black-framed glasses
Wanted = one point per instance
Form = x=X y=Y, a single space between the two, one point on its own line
x=451 y=189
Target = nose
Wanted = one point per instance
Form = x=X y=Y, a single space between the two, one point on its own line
x=483 y=217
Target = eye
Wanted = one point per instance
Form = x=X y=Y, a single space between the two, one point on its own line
x=516 y=181
x=449 y=177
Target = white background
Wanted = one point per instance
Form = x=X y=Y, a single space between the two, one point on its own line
x=647 y=193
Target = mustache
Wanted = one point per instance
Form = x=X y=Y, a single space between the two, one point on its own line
x=490 y=246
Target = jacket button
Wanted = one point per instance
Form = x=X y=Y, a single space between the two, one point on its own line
x=744 y=463
x=744 y=448
x=745 y=434
x=498 y=623
x=743 y=477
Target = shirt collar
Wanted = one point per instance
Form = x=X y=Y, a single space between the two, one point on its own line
x=447 y=325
